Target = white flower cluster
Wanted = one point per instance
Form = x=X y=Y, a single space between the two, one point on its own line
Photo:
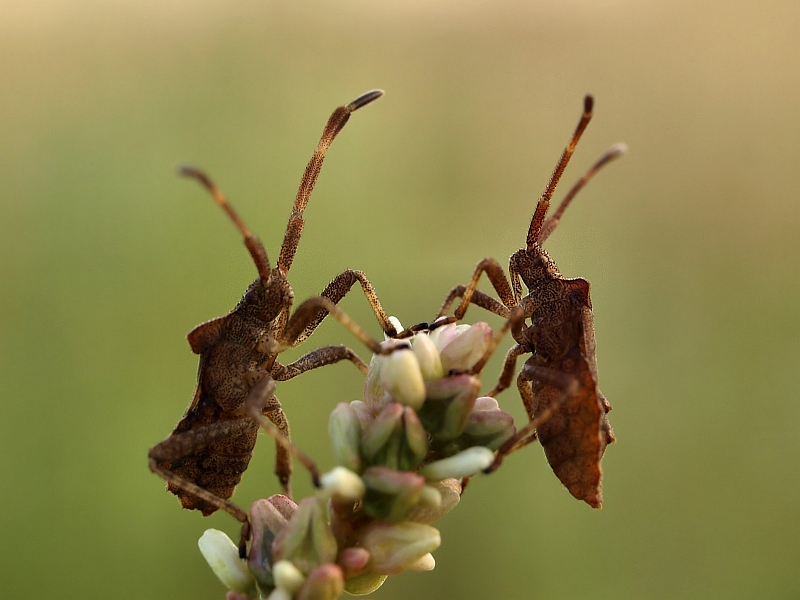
x=402 y=452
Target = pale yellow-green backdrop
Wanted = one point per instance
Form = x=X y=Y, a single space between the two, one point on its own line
x=107 y=259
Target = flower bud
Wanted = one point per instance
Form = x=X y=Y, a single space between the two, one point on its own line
x=449 y=493
x=363 y=584
x=449 y=404
x=395 y=548
x=402 y=378
x=381 y=432
x=426 y=563
x=353 y=561
x=343 y=485
x=488 y=425
x=287 y=576
x=326 y=582
x=441 y=336
x=279 y=594
x=464 y=464
x=467 y=348
x=344 y=429
x=307 y=540
x=222 y=555
x=396 y=439
x=391 y=494
x=430 y=365
x=267 y=519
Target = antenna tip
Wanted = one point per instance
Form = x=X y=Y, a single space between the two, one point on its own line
x=364 y=99
x=618 y=149
x=588 y=103
x=187 y=170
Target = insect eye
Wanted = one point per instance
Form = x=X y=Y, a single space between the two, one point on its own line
x=538 y=261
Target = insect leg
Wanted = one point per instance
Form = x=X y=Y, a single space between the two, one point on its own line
x=305 y=314
x=257 y=403
x=338 y=289
x=479 y=298
x=498 y=280
x=283 y=460
x=181 y=445
x=507 y=373
x=320 y=357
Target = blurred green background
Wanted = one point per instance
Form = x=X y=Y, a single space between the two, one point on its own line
x=107 y=260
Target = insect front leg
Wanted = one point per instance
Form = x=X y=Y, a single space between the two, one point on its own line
x=497 y=278
x=337 y=289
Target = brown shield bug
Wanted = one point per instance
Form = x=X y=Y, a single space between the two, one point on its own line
x=204 y=457
x=558 y=383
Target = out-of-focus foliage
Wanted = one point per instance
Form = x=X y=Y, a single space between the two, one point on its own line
x=107 y=259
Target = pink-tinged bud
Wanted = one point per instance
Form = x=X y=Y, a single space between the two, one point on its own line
x=326 y=582
x=467 y=348
x=307 y=540
x=441 y=336
x=395 y=548
x=285 y=505
x=464 y=464
x=353 y=561
x=488 y=425
x=234 y=595
x=267 y=519
x=449 y=404
x=402 y=378
x=430 y=365
x=449 y=491
x=344 y=429
x=363 y=584
x=391 y=494
x=222 y=555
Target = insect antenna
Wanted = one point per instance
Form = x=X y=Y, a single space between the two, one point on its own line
x=335 y=124
x=251 y=241
x=551 y=223
x=544 y=201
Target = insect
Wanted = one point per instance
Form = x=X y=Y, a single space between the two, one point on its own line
x=204 y=457
x=558 y=383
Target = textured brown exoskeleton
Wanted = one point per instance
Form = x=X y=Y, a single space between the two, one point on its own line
x=204 y=457
x=558 y=383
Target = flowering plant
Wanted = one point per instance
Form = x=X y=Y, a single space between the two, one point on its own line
x=402 y=454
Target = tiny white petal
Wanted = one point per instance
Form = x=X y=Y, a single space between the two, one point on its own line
x=222 y=556
x=343 y=484
x=287 y=576
x=464 y=464
x=426 y=563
